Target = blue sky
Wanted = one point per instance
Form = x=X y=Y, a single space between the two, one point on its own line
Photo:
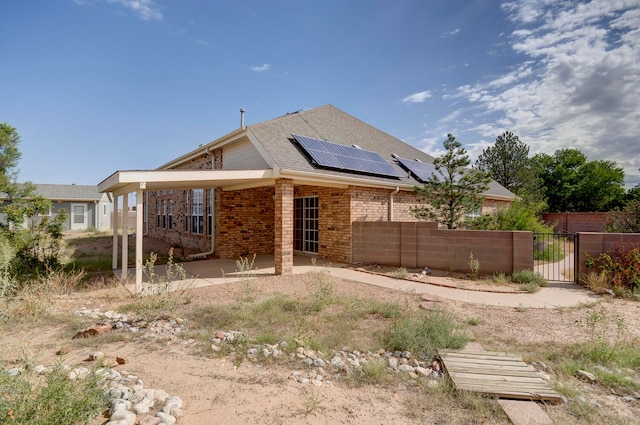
x=95 y=86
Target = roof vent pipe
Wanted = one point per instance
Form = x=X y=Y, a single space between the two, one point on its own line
x=241 y=117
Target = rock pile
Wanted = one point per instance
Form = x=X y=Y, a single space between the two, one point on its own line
x=129 y=402
x=165 y=327
x=318 y=366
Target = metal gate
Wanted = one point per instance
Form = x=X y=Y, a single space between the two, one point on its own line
x=553 y=256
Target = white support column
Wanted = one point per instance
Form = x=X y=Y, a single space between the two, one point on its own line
x=125 y=236
x=114 y=255
x=139 y=234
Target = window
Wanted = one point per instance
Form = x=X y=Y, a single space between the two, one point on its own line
x=170 y=215
x=158 y=214
x=197 y=218
x=164 y=214
x=209 y=211
x=474 y=212
x=186 y=211
x=305 y=224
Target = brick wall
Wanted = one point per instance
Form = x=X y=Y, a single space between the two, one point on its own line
x=245 y=224
x=574 y=222
x=595 y=244
x=334 y=225
x=177 y=235
x=420 y=244
x=283 y=228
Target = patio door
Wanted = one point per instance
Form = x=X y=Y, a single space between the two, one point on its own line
x=78 y=217
x=305 y=224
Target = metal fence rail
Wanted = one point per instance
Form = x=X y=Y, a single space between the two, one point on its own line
x=553 y=256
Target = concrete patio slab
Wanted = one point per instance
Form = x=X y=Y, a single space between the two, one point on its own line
x=215 y=272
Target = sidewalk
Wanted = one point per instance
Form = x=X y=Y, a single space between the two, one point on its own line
x=216 y=272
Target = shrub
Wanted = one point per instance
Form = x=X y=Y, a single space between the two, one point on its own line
x=519 y=216
x=625 y=221
x=30 y=400
x=622 y=269
x=529 y=276
x=549 y=252
x=426 y=332
x=400 y=273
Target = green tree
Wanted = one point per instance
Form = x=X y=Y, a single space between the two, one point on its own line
x=625 y=221
x=505 y=161
x=9 y=157
x=572 y=183
x=518 y=216
x=34 y=237
x=453 y=188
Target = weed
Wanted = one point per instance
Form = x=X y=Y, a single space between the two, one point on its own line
x=529 y=280
x=551 y=252
x=598 y=282
x=312 y=405
x=521 y=308
x=400 y=273
x=55 y=399
x=474 y=266
x=373 y=372
x=501 y=278
x=530 y=287
x=245 y=267
x=163 y=292
x=385 y=309
x=423 y=333
x=323 y=288
x=473 y=321
x=599 y=325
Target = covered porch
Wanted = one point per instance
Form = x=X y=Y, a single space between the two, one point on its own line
x=203 y=273
x=122 y=184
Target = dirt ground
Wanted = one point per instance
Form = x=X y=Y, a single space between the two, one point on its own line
x=216 y=391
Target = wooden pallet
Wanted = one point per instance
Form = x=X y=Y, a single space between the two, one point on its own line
x=502 y=375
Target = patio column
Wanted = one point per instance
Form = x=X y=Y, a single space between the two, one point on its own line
x=283 y=243
x=139 y=235
x=114 y=223
x=125 y=237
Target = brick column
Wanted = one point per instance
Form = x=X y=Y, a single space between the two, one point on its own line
x=283 y=243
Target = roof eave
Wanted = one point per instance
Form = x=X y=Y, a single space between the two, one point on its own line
x=203 y=149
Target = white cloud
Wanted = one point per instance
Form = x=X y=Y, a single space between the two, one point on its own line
x=263 y=68
x=417 y=97
x=146 y=10
x=579 y=86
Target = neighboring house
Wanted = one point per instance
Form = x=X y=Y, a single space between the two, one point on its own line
x=291 y=184
x=86 y=207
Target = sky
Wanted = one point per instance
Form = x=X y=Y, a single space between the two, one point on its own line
x=96 y=86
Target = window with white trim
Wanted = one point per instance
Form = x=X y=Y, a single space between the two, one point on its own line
x=197 y=217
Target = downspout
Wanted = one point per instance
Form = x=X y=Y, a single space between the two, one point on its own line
x=391 y=195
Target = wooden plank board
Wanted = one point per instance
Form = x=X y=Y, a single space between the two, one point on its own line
x=503 y=375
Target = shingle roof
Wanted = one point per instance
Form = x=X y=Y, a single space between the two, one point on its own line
x=73 y=192
x=331 y=124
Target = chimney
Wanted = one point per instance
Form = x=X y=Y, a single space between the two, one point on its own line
x=241 y=117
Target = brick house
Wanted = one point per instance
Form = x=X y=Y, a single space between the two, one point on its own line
x=295 y=183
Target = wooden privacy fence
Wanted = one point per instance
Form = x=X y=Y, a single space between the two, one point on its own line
x=420 y=244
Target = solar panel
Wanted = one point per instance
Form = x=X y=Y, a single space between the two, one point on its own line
x=421 y=170
x=341 y=157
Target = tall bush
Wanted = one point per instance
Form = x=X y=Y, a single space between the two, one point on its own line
x=518 y=216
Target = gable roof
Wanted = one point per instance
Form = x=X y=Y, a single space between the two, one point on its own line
x=68 y=192
x=273 y=140
x=331 y=124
